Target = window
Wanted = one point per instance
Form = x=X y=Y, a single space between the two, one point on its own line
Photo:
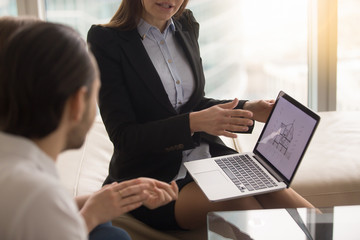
x=257 y=47
x=8 y=7
x=348 y=64
x=254 y=48
x=80 y=14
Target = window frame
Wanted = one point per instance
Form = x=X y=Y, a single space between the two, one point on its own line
x=322 y=62
x=34 y=8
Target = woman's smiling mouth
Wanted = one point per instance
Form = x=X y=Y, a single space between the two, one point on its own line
x=165 y=5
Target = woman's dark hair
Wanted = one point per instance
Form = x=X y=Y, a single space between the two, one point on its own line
x=129 y=13
x=41 y=67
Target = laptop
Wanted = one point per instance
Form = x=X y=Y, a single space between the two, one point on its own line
x=272 y=164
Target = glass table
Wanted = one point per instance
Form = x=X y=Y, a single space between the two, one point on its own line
x=338 y=223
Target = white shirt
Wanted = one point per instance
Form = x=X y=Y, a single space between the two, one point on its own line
x=33 y=204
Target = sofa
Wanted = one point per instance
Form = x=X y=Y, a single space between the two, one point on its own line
x=328 y=176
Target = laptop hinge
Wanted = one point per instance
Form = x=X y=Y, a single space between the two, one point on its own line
x=269 y=168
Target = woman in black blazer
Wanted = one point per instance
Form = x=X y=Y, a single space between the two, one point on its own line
x=150 y=131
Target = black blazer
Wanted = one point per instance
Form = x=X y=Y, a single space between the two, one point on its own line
x=148 y=134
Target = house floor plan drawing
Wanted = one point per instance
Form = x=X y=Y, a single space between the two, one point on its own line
x=283 y=139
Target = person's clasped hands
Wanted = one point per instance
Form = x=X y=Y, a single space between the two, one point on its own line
x=116 y=199
x=225 y=120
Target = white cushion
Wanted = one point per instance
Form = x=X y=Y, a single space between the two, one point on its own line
x=83 y=170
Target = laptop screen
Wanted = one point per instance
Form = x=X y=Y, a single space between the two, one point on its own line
x=286 y=135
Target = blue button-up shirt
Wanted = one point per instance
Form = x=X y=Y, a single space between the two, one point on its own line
x=175 y=73
x=170 y=62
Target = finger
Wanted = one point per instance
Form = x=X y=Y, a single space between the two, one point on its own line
x=157 y=198
x=175 y=189
x=237 y=121
x=239 y=113
x=228 y=134
x=236 y=129
x=234 y=125
x=129 y=207
x=160 y=184
x=171 y=189
x=135 y=189
x=137 y=198
x=161 y=193
x=146 y=179
x=230 y=105
x=164 y=195
x=125 y=184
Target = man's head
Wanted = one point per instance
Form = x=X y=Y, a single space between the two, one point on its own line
x=10 y=24
x=47 y=76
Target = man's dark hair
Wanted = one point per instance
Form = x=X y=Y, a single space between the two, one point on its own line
x=10 y=24
x=41 y=67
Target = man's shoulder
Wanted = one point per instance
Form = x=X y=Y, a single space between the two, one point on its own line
x=35 y=201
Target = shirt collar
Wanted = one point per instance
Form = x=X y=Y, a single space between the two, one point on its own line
x=144 y=28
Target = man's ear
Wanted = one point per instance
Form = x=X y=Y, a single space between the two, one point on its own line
x=77 y=104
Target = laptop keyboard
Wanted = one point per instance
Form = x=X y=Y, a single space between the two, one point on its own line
x=244 y=173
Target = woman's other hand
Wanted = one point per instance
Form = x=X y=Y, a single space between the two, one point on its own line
x=260 y=108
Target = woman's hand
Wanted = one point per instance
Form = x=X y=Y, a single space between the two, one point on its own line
x=260 y=108
x=221 y=120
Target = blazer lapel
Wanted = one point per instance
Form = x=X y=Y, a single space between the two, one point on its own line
x=139 y=59
x=185 y=40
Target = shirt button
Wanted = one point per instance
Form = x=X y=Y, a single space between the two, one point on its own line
x=162 y=42
x=170 y=61
x=177 y=82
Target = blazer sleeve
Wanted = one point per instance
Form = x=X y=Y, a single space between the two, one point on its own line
x=118 y=109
